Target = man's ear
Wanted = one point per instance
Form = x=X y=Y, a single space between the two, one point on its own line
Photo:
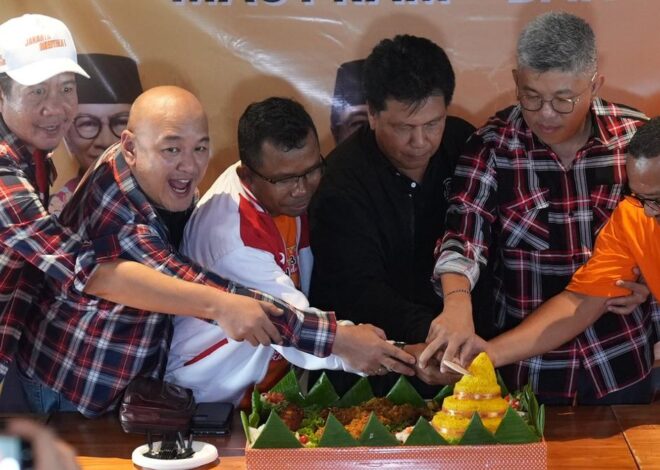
x=372 y=114
x=127 y=142
x=514 y=74
x=598 y=83
x=244 y=173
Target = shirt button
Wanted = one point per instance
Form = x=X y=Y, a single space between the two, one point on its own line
x=413 y=185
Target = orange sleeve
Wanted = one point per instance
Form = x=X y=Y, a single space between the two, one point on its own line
x=611 y=260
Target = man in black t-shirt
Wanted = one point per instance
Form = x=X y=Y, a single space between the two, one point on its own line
x=381 y=204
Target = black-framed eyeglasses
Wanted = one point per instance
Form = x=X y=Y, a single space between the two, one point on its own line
x=639 y=201
x=88 y=126
x=291 y=182
x=559 y=105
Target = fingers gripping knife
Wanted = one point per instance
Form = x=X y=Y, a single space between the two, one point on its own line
x=157 y=408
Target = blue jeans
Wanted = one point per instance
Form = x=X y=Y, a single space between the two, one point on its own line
x=42 y=399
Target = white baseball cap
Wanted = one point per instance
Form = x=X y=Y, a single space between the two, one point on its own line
x=34 y=48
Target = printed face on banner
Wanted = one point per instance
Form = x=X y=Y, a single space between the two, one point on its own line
x=409 y=136
x=286 y=181
x=41 y=114
x=551 y=126
x=95 y=128
x=350 y=119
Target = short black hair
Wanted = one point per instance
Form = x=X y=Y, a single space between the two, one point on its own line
x=409 y=69
x=6 y=84
x=646 y=141
x=281 y=121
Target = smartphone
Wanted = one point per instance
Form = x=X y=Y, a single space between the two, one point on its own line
x=15 y=453
x=213 y=418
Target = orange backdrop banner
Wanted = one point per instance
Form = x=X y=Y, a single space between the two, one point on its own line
x=233 y=52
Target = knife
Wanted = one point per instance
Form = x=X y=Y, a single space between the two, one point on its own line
x=456 y=367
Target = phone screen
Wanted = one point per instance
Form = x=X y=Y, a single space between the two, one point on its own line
x=14 y=453
x=212 y=418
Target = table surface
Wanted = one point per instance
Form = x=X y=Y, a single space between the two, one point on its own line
x=599 y=437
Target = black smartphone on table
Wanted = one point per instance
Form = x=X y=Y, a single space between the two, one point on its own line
x=213 y=418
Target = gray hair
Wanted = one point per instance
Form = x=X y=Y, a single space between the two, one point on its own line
x=6 y=84
x=558 y=41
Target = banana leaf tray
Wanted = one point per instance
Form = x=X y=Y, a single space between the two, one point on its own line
x=517 y=443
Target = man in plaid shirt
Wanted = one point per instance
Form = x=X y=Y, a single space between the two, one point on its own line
x=37 y=103
x=79 y=352
x=530 y=193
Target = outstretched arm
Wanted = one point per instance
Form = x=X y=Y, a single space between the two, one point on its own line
x=555 y=322
x=139 y=286
x=463 y=249
x=454 y=326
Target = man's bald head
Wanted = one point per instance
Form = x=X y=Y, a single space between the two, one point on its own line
x=166 y=145
x=164 y=102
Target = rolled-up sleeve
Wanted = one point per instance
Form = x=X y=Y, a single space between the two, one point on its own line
x=472 y=210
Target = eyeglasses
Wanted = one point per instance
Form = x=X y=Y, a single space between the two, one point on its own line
x=559 y=105
x=88 y=126
x=288 y=183
x=639 y=201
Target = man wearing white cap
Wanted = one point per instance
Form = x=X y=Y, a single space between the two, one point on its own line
x=37 y=103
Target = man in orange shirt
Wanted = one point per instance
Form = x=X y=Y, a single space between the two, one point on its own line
x=630 y=239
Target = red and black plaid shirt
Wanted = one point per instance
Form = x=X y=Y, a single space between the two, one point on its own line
x=33 y=243
x=511 y=194
x=89 y=349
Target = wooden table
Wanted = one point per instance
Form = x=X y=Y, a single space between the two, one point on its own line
x=602 y=437
x=642 y=433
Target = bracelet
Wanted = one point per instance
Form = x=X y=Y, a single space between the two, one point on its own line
x=455 y=291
